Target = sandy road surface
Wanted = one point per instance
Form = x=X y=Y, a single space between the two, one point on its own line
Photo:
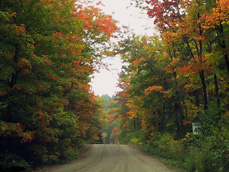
x=113 y=158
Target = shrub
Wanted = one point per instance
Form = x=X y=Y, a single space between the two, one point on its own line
x=209 y=157
x=12 y=162
x=165 y=146
x=194 y=153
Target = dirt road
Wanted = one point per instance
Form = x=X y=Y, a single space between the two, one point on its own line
x=113 y=158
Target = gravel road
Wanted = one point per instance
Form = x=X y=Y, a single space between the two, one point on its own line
x=113 y=158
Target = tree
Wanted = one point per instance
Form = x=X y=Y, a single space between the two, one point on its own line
x=176 y=79
x=48 y=49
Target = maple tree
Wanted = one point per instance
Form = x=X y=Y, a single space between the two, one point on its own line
x=160 y=100
x=175 y=79
x=149 y=85
x=49 y=49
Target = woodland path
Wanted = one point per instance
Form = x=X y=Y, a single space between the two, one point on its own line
x=112 y=158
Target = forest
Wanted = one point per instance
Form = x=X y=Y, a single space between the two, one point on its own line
x=180 y=77
x=48 y=51
x=177 y=79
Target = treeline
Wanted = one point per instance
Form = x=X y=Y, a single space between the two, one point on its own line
x=109 y=131
x=175 y=79
x=48 y=50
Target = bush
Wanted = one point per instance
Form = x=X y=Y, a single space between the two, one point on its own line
x=135 y=141
x=166 y=147
x=137 y=138
x=12 y=162
x=194 y=153
x=209 y=157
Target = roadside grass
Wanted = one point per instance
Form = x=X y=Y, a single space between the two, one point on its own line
x=175 y=165
x=193 y=154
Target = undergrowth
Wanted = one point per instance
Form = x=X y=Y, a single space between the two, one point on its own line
x=206 y=152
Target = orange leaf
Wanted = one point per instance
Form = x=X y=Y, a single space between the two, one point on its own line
x=148 y=90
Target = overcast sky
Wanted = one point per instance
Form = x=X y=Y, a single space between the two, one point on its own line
x=105 y=82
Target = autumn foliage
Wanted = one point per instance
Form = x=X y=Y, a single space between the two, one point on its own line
x=48 y=50
x=175 y=79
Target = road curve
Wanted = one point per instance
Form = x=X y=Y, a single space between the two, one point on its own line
x=113 y=158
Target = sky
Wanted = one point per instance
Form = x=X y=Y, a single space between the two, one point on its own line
x=105 y=82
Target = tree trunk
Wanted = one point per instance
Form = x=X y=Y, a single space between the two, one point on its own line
x=197 y=102
x=224 y=47
x=202 y=78
x=217 y=91
x=201 y=72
